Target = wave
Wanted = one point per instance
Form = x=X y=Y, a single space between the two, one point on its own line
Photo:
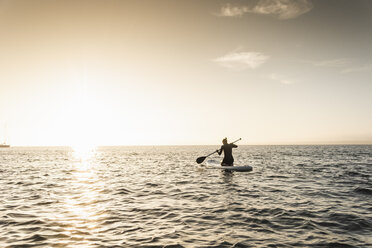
x=364 y=191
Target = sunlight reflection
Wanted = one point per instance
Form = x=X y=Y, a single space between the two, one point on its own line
x=83 y=203
x=83 y=153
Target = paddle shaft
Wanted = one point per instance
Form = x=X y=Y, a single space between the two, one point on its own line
x=236 y=141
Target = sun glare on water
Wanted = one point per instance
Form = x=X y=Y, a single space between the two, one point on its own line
x=83 y=152
x=83 y=209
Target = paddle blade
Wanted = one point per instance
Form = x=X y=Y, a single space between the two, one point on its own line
x=200 y=160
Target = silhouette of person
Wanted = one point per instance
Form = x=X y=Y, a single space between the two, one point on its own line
x=228 y=159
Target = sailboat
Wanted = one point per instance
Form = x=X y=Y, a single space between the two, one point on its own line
x=4 y=143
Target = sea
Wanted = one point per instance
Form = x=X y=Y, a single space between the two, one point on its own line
x=158 y=196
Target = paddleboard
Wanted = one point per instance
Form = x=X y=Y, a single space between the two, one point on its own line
x=213 y=164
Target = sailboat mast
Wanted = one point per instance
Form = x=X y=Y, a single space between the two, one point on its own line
x=4 y=143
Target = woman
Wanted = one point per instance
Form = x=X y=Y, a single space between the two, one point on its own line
x=228 y=159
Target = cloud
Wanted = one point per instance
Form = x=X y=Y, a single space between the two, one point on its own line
x=345 y=65
x=280 y=78
x=229 y=10
x=281 y=9
x=333 y=63
x=242 y=60
x=367 y=67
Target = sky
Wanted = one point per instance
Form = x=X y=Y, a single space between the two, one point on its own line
x=165 y=72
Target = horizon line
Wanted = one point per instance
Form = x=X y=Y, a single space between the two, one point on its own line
x=272 y=144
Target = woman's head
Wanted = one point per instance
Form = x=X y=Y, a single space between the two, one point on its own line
x=224 y=141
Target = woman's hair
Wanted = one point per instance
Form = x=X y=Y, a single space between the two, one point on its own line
x=224 y=140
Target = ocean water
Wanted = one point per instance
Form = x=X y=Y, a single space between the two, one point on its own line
x=296 y=196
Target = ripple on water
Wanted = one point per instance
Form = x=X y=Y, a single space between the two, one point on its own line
x=297 y=196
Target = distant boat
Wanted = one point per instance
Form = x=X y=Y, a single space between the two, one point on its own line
x=4 y=144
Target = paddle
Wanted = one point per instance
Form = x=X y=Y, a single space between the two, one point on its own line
x=200 y=160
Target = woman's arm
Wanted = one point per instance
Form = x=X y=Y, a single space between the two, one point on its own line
x=220 y=151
